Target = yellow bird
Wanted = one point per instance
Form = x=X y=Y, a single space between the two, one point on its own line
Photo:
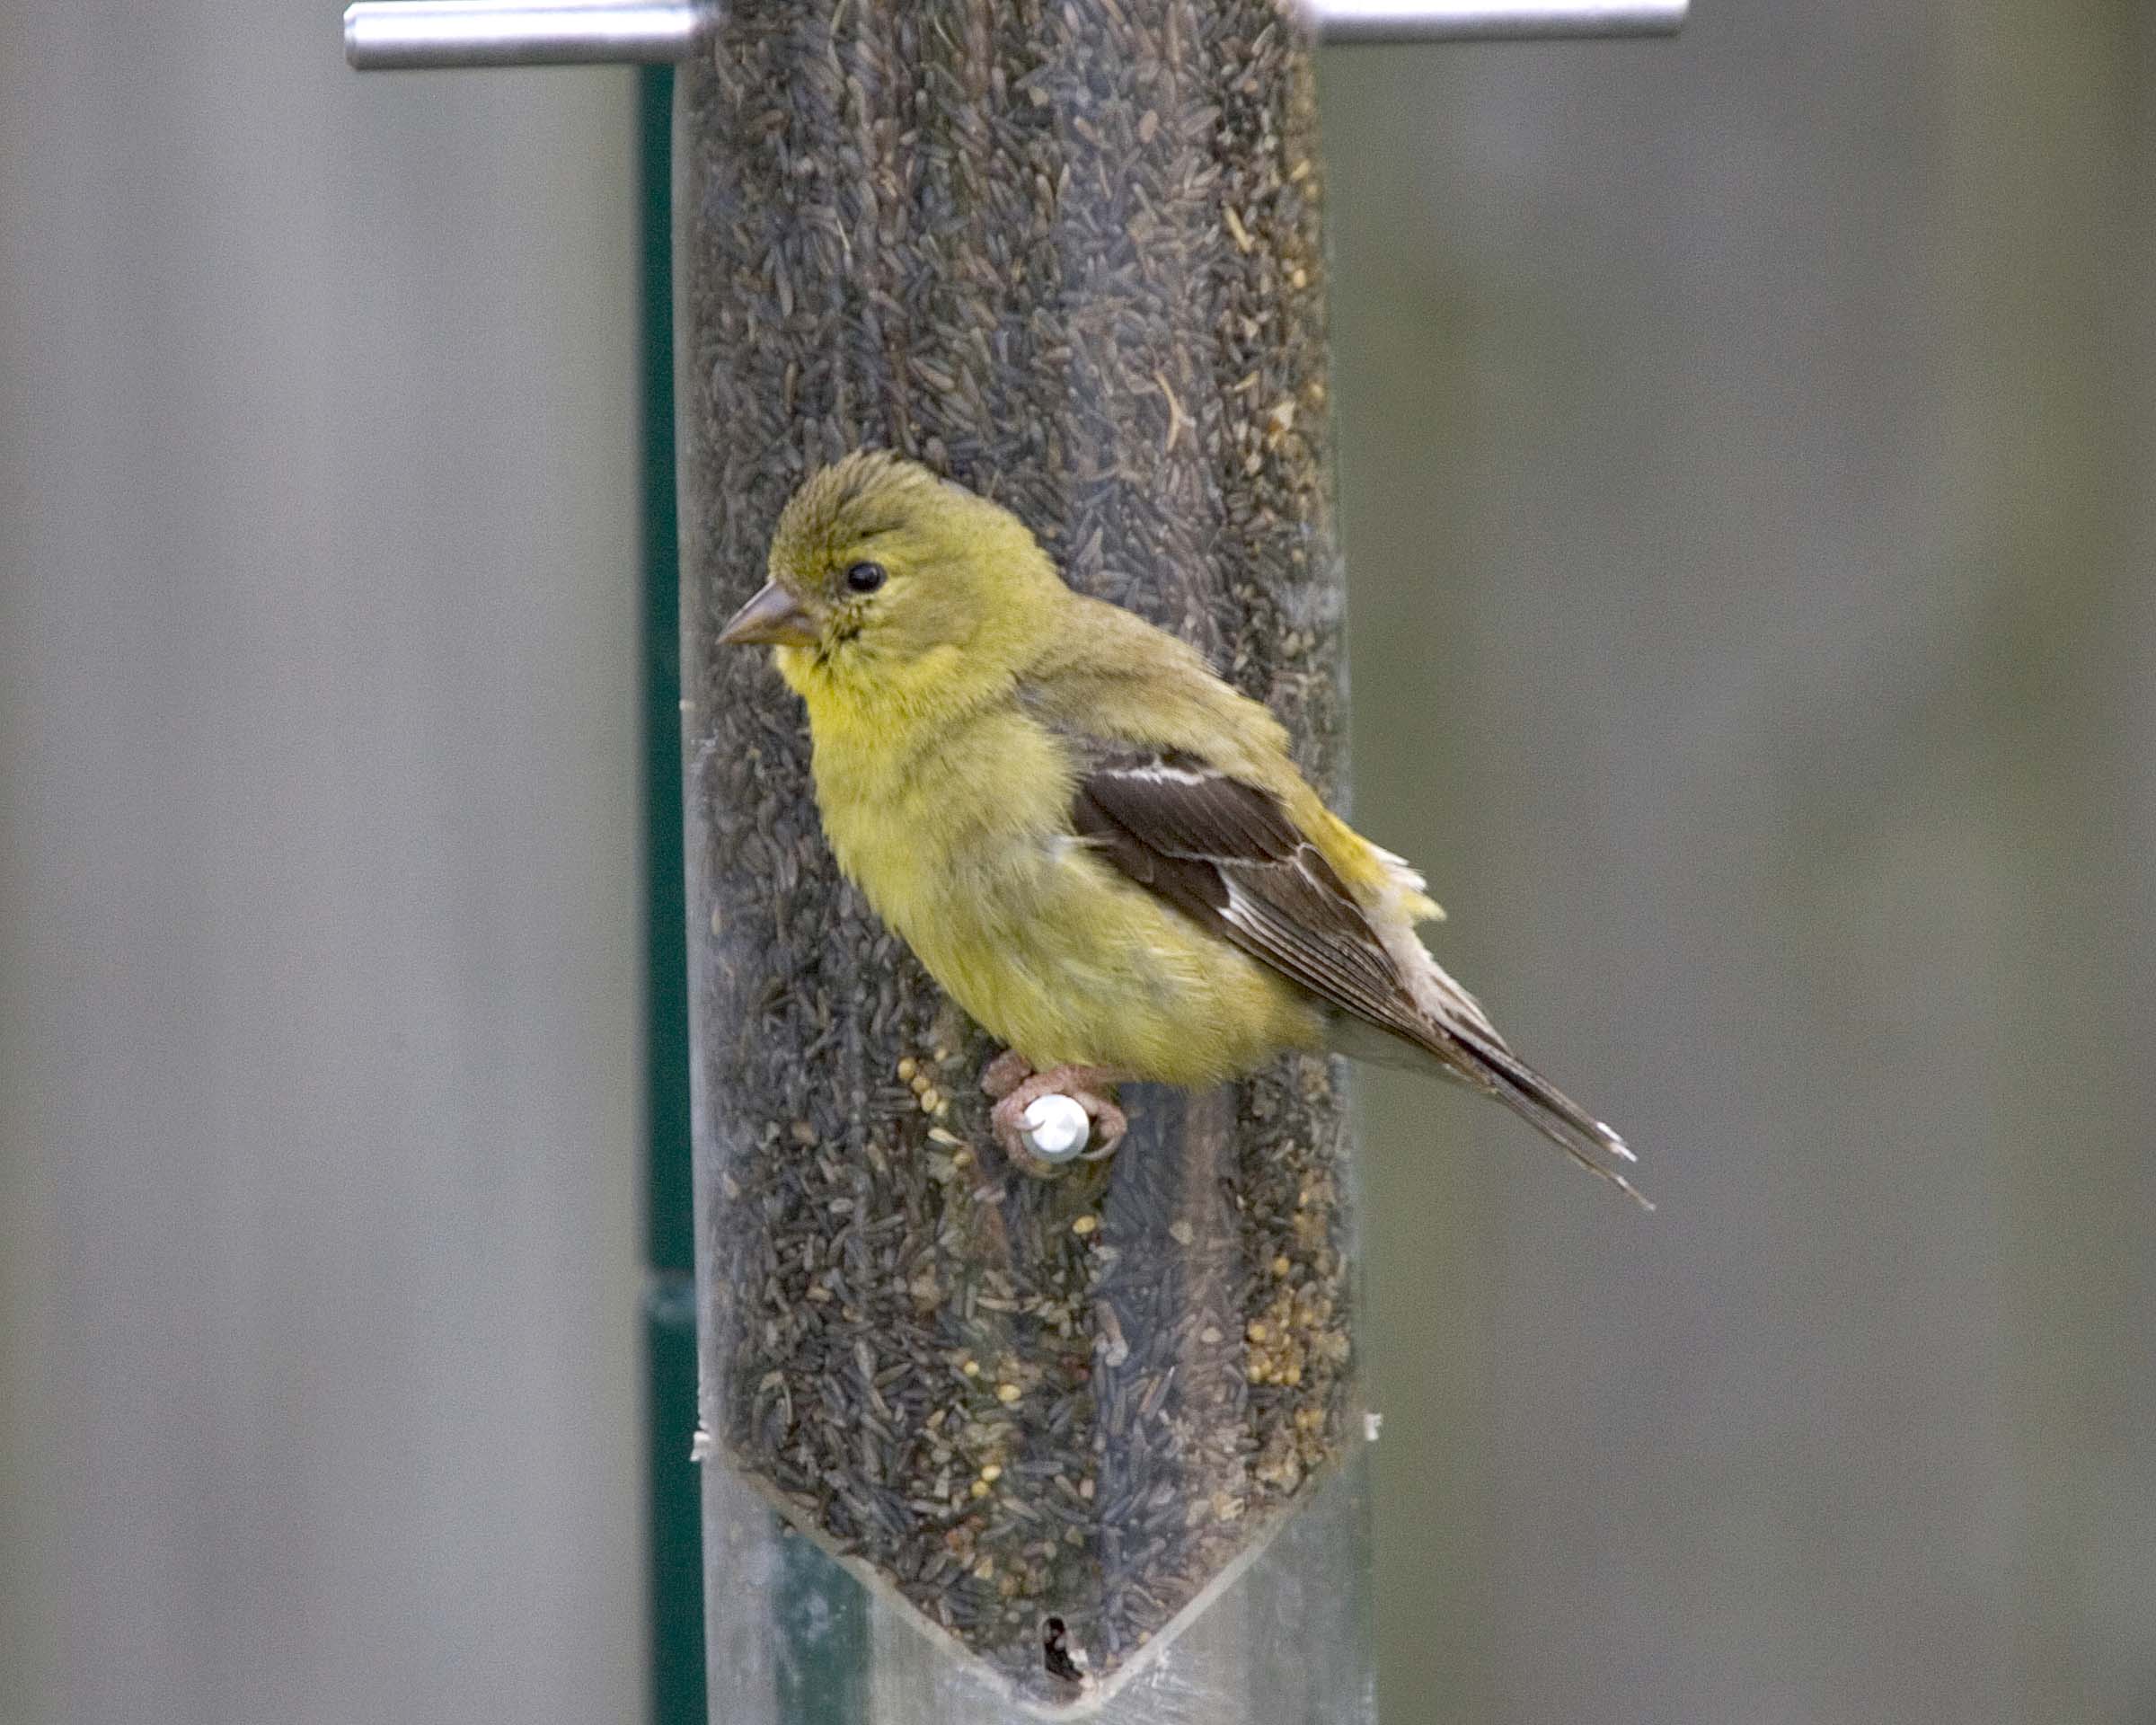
x=1100 y=850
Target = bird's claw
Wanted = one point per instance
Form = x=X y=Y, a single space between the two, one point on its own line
x=1004 y=1074
x=1016 y=1092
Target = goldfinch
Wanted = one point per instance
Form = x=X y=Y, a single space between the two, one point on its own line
x=1102 y=851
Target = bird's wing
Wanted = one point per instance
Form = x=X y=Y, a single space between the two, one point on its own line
x=1226 y=853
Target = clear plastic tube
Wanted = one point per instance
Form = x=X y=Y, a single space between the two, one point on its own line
x=983 y=1440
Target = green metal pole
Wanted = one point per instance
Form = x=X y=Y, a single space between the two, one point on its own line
x=674 y=1526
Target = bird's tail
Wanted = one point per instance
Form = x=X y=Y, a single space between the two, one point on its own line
x=1471 y=1051
x=1490 y=1065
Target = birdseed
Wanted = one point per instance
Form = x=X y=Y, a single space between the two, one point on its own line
x=1070 y=254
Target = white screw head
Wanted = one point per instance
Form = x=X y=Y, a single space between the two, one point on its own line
x=1056 y=1127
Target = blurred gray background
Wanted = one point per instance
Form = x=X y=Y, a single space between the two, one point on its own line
x=1749 y=469
x=319 y=920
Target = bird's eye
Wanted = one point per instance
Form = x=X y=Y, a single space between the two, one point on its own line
x=866 y=577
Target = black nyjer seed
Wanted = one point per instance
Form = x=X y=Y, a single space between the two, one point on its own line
x=1068 y=253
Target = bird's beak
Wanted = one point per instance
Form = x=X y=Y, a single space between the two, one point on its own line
x=774 y=618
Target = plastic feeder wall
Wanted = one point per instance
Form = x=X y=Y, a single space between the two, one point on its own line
x=985 y=1443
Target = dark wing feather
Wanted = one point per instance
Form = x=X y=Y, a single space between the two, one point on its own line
x=1224 y=853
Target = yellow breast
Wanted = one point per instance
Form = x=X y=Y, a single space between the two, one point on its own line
x=962 y=843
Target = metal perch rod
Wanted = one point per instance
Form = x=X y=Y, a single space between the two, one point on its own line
x=383 y=35
x=391 y=35
x=1459 y=21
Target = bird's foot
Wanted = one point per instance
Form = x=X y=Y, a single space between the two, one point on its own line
x=1005 y=1074
x=1017 y=1087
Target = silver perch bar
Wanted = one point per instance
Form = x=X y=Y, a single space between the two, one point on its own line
x=383 y=35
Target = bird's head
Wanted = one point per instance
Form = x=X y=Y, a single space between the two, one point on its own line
x=883 y=575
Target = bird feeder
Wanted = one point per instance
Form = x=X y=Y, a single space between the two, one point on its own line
x=990 y=1428
x=1069 y=254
